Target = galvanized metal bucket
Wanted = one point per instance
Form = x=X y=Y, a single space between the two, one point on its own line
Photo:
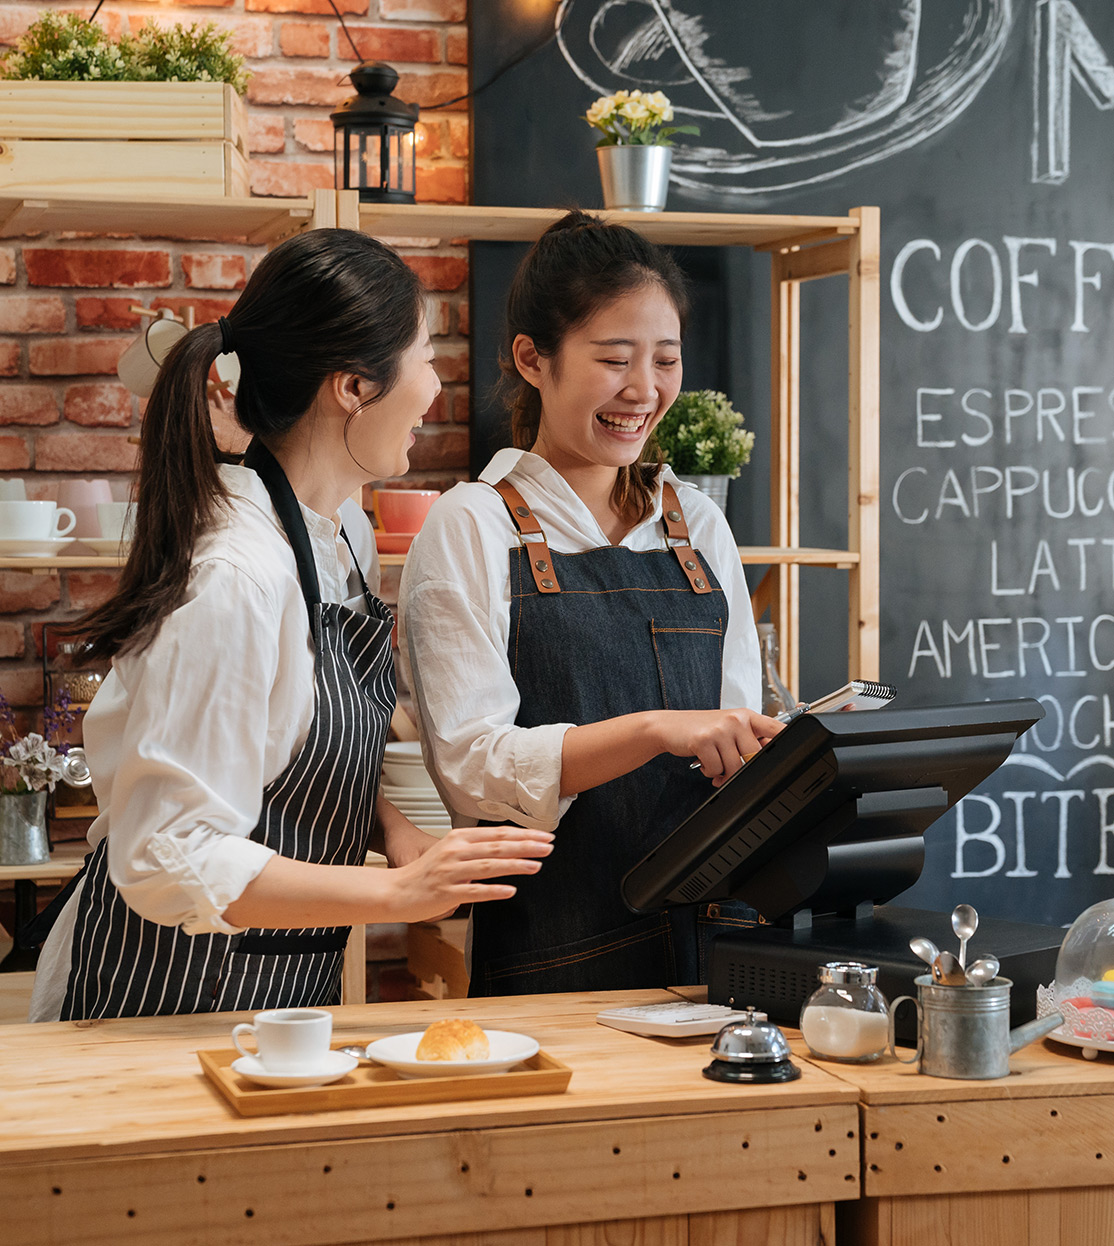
x=964 y=1031
x=23 y=838
x=634 y=177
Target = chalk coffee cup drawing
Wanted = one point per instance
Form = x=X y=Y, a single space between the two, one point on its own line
x=13 y=490
x=117 y=520
x=288 y=1040
x=138 y=367
x=34 y=521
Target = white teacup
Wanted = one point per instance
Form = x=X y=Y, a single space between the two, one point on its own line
x=13 y=490
x=34 y=521
x=138 y=367
x=117 y=520
x=289 y=1040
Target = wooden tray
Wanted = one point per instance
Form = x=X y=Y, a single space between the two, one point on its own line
x=373 y=1086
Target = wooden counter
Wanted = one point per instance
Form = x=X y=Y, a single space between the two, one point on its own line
x=1024 y=1160
x=111 y=1134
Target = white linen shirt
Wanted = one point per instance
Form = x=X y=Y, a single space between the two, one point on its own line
x=454 y=625
x=183 y=737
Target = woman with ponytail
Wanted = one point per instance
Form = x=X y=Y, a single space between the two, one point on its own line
x=236 y=744
x=568 y=684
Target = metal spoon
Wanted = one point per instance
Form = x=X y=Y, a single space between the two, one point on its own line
x=983 y=971
x=947 y=971
x=965 y=921
x=354 y=1049
x=925 y=949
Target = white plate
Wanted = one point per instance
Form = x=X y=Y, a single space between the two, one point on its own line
x=334 y=1068
x=44 y=547
x=105 y=544
x=398 y=1052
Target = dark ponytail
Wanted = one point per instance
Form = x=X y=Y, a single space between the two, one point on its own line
x=324 y=301
x=579 y=264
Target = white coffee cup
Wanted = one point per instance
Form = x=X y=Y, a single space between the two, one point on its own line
x=14 y=490
x=117 y=520
x=34 y=521
x=289 y=1040
x=138 y=367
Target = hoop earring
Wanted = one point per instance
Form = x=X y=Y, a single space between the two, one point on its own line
x=347 y=424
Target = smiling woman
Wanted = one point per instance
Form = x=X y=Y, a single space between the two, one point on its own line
x=568 y=685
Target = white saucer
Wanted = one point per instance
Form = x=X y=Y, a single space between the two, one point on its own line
x=105 y=544
x=335 y=1067
x=398 y=1052
x=43 y=547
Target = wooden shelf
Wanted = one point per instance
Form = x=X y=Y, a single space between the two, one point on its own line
x=251 y=221
x=480 y=224
x=74 y=562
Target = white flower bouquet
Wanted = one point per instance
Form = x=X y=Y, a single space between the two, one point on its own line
x=702 y=435
x=635 y=119
x=32 y=762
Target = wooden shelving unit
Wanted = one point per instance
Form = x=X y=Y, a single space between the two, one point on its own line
x=802 y=248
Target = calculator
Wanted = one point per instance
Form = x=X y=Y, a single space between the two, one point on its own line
x=677 y=1020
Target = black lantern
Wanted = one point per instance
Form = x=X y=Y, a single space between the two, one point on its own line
x=373 y=147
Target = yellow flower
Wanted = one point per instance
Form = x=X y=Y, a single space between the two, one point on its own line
x=659 y=105
x=636 y=112
x=603 y=108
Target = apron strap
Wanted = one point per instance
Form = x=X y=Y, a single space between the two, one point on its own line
x=676 y=529
x=267 y=468
x=541 y=562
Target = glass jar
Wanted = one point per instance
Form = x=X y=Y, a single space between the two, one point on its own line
x=776 y=697
x=847 y=1017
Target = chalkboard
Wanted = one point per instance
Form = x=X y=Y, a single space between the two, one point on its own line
x=983 y=129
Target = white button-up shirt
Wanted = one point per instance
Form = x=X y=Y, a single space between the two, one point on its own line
x=454 y=607
x=183 y=737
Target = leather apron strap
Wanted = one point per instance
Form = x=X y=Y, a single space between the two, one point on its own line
x=541 y=564
x=676 y=529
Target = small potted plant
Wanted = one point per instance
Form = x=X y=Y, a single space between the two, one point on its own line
x=31 y=765
x=636 y=148
x=703 y=440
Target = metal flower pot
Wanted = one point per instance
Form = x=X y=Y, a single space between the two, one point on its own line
x=634 y=178
x=23 y=839
x=714 y=486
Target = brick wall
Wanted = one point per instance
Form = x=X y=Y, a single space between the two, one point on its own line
x=65 y=300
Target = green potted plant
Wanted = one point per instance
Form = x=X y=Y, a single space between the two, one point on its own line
x=157 y=111
x=703 y=440
x=636 y=148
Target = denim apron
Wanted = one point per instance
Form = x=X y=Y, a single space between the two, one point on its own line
x=321 y=808
x=595 y=635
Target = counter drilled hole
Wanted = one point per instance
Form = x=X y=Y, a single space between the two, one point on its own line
x=1054 y=1113
x=850 y=1133
x=131 y=1213
x=56 y=1189
x=390 y=1206
x=849 y=1177
x=832 y=1151
x=899 y=1146
x=802 y=1176
x=874 y=1168
x=941 y=1119
x=1005 y=1159
x=746 y=1145
x=327 y=1168
x=1098 y=1155
x=464 y=1168
x=615 y=1150
x=249 y=1213
x=529 y=1192
x=818 y=1126
x=201 y=1178
x=937 y=1168
x=874 y=1136
x=676 y=1176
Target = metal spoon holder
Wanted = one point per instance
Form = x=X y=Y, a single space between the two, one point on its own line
x=962 y=1031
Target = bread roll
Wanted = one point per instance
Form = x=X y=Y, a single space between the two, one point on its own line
x=453 y=1039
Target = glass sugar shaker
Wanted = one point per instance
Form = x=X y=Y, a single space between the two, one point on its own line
x=846 y=1018
x=776 y=697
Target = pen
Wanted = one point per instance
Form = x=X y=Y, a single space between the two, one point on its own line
x=786 y=716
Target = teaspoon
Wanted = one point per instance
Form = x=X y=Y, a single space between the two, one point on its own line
x=946 y=971
x=925 y=949
x=354 y=1049
x=965 y=921
x=983 y=971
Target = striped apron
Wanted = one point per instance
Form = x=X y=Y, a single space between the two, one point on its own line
x=321 y=809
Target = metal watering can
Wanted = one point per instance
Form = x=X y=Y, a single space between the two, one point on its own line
x=964 y=1031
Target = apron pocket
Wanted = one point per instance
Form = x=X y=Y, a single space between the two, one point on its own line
x=686 y=651
x=637 y=955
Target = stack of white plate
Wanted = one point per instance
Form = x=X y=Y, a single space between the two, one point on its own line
x=407 y=785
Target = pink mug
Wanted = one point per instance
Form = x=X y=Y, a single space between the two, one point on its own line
x=82 y=496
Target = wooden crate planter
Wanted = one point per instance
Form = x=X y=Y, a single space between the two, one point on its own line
x=185 y=139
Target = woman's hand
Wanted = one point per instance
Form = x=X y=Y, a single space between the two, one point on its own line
x=448 y=874
x=721 y=740
x=402 y=842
